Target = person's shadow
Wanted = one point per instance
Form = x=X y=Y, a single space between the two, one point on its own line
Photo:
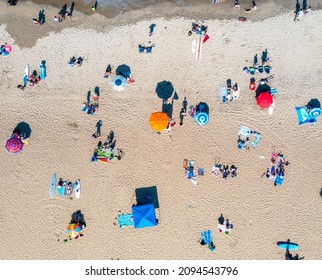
x=297 y=7
x=183 y=110
x=111 y=136
x=98 y=128
x=168 y=107
x=89 y=96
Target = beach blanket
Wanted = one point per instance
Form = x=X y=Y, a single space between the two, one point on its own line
x=278 y=180
x=206 y=236
x=303 y=116
x=125 y=220
x=244 y=131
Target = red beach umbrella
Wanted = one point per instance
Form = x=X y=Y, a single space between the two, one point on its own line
x=14 y=145
x=264 y=100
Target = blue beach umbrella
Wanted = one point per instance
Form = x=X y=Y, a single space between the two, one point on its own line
x=315 y=112
x=202 y=118
x=119 y=83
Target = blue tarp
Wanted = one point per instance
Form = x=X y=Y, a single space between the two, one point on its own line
x=144 y=216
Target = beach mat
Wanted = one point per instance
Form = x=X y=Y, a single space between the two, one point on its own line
x=206 y=236
x=303 y=116
x=125 y=220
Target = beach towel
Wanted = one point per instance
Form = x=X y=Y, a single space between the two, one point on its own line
x=303 y=116
x=206 y=236
x=257 y=138
x=278 y=180
x=273 y=91
x=125 y=220
x=244 y=131
x=223 y=94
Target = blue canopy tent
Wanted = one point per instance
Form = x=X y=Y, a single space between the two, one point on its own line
x=144 y=216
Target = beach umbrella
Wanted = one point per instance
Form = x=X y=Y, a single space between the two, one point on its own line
x=144 y=216
x=164 y=90
x=14 y=145
x=315 y=112
x=159 y=121
x=264 y=100
x=119 y=83
x=202 y=118
x=26 y=75
x=73 y=230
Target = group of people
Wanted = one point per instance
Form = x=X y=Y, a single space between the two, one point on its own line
x=300 y=12
x=41 y=18
x=225 y=170
x=224 y=225
x=12 y=2
x=64 y=12
x=200 y=29
x=73 y=61
x=65 y=187
x=264 y=67
x=5 y=49
x=277 y=167
x=229 y=93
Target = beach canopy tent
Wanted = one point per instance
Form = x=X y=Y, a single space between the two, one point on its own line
x=264 y=100
x=73 y=230
x=14 y=144
x=119 y=83
x=159 y=121
x=144 y=216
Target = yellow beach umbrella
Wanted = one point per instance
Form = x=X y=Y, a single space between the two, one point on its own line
x=159 y=121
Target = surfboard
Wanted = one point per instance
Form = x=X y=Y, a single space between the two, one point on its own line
x=271 y=108
x=52 y=187
x=26 y=75
x=194 y=46
x=42 y=71
x=287 y=245
x=77 y=189
x=199 y=48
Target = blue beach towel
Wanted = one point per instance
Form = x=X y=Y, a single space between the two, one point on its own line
x=273 y=91
x=279 y=180
x=206 y=236
x=256 y=141
x=125 y=220
x=303 y=116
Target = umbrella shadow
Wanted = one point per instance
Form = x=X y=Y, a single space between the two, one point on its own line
x=164 y=90
x=123 y=70
x=262 y=88
x=202 y=107
x=314 y=103
x=23 y=129
x=168 y=107
x=148 y=195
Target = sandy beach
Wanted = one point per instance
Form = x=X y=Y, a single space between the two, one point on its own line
x=61 y=139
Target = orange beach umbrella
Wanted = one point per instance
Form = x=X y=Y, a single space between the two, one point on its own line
x=159 y=121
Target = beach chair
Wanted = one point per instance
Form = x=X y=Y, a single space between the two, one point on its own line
x=260 y=69
x=267 y=69
x=252 y=70
x=148 y=49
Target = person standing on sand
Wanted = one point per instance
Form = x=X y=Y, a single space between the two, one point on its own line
x=94 y=7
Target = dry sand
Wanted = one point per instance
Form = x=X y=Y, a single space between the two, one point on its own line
x=61 y=142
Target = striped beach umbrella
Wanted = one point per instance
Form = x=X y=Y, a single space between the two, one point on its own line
x=73 y=230
x=202 y=118
x=119 y=83
x=14 y=145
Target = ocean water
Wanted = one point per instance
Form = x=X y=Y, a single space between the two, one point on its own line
x=121 y=6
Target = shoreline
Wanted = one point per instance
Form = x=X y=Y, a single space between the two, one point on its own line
x=83 y=17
